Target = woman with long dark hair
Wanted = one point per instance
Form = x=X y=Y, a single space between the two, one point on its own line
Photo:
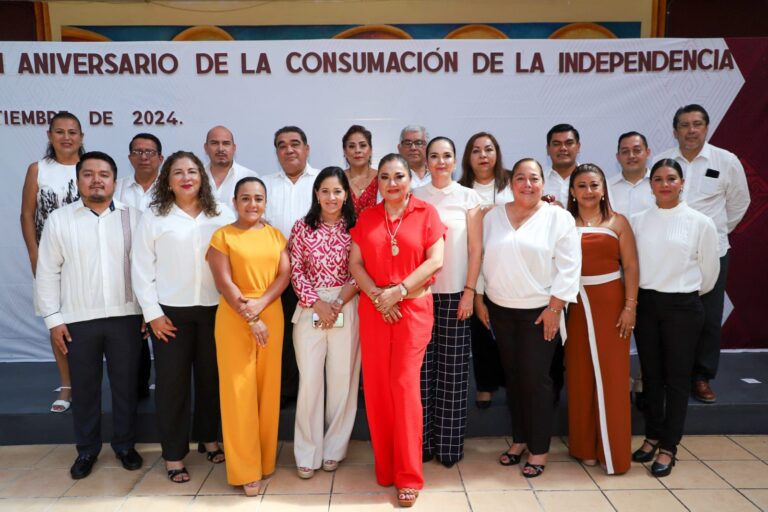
x=50 y=184
x=178 y=298
x=358 y=149
x=325 y=327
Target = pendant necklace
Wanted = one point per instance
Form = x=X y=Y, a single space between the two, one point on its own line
x=392 y=235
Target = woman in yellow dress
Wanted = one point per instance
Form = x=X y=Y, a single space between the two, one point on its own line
x=251 y=267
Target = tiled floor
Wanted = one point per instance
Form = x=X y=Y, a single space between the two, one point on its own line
x=717 y=473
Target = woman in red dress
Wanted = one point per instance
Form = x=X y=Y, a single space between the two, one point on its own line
x=362 y=177
x=397 y=247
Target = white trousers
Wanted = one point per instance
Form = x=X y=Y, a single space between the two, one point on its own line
x=325 y=415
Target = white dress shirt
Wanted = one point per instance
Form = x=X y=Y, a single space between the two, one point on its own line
x=715 y=185
x=629 y=198
x=288 y=201
x=677 y=249
x=82 y=265
x=524 y=267
x=225 y=192
x=490 y=196
x=452 y=203
x=555 y=185
x=169 y=264
x=128 y=191
x=417 y=182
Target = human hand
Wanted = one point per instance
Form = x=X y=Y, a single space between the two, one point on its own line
x=387 y=299
x=466 y=307
x=144 y=330
x=163 y=328
x=326 y=313
x=250 y=308
x=259 y=332
x=60 y=337
x=551 y=321
x=481 y=310
x=626 y=323
x=393 y=315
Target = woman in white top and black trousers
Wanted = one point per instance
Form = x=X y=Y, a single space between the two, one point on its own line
x=678 y=254
x=531 y=270
x=178 y=297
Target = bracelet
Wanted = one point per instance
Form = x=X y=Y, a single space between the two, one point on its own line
x=627 y=308
x=556 y=311
x=630 y=300
x=470 y=289
x=253 y=321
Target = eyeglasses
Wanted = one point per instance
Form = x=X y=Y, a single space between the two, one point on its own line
x=149 y=153
x=408 y=143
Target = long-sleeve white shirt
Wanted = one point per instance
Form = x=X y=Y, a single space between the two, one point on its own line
x=555 y=185
x=128 y=191
x=715 y=185
x=82 y=265
x=677 y=249
x=288 y=201
x=629 y=198
x=524 y=267
x=169 y=264
x=225 y=192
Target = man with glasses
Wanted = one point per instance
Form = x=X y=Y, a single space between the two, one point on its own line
x=563 y=147
x=145 y=152
x=715 y=185
x=413 y=147
x=630 y=190
x=223 y=172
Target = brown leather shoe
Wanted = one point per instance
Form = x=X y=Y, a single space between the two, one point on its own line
x=703 y=393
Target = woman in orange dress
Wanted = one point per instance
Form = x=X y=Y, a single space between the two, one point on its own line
x=599 y=327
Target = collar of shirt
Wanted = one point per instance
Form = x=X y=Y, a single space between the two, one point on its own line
x=445 y=190
x=308 y=172
x=133 y=183
x=619 y=178
x=113 y=205
x=705 y=153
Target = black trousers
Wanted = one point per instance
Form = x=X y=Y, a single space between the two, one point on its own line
x=526 y=358
x=116 y=339
x=145 y=367
x=489 y=375
x=668 y=327
x=193 y=348
x=289 y=379
x=708 y=347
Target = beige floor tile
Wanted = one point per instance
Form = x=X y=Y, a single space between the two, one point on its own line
x=758 y=445
x=638 y=477
x=747 y=474
x=356 y=479
x=288 y=503
x=156 y=482
x=442 y=502
x=439 y=478
x=563 y=476
x=91 y=504
x=359 y=452
x=156 y=503
x=364 y=502
x=484 y=476
x=508 y=501
x=286 y=481
x=229 y=503
x=107 y=482
x=643 y=501
x=715 y=501
x=285 y=455
x=558 y=451
x=483 y=449
x=61 y=456
x=26 y=504
x=715 y=448
x=688 y=474
x=47 y=483
x=8 y=476
x=574 y=501
x=216 y=483
x=150 y=452
x=23 y=455
x=757 y=496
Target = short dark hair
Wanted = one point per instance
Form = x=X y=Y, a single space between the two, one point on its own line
x=288 y=129
x=438 y=139
x=521 y=162
x=95 y=155
x=313 y=216
x=693 y=107
x=560 y=128
x=147 y=136
x=632 y=134
x=667 y=162
x=605 y=205
x=50 y=153
x=356 y=128
x=395 y=157
x=249 y=179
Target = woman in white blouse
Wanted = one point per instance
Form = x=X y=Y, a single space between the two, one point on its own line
x=484 y=172
x=178 y=298
x=445 y=370
x=678 y=254
x=531 y=270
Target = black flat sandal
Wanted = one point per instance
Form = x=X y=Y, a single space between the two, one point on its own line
x=173 y=473
x=538 y=469
x=512 y=459
x=210 y=455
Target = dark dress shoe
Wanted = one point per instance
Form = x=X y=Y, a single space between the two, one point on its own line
x=640 y=455
x=658 y=469
x=703 y=393
x=130 y=459
x=82 y=466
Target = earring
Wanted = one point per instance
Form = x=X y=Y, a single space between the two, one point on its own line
x=602 y=198
x=574 y=199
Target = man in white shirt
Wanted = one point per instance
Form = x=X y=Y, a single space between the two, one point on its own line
x=86 y=299
x=289 y=196
x=715 y=185
x=630 y=190
x=413 y=147
x=223 y=172
x=563 y=147
x=145 y=152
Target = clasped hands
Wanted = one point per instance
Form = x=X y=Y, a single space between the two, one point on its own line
x=387 y=302
x=328 y=312
x=250 y=309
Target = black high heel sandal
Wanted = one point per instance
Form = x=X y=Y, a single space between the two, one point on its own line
x=658 y=469
x=641 y=455
x=210 y=455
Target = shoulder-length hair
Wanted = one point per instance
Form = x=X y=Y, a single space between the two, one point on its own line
x=313 y=217
x=500 y=175
x=163 y=197
x=605 y=205
x=50 y=152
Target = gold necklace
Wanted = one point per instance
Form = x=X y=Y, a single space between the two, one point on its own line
x=393 y=234
x=590 y=222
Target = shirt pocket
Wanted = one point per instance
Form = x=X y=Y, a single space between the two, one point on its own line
x=709 y=186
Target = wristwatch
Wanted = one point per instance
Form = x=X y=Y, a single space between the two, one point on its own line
x=403 y=291
x=339 y=301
